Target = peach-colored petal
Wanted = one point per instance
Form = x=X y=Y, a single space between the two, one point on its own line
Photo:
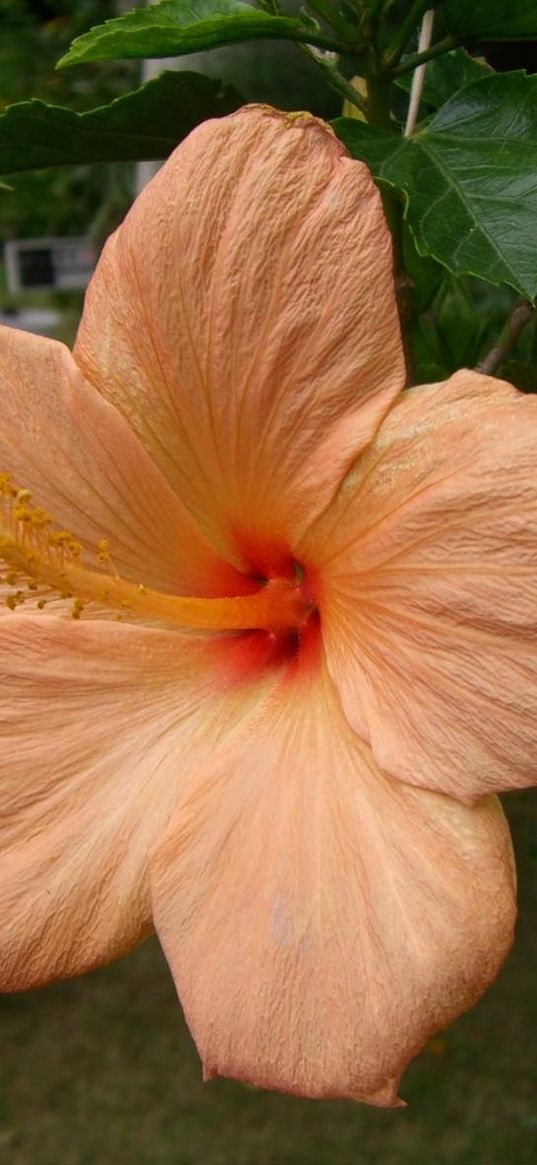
x=243 y=319
x=320 y=918
x=427 y=568
x=62 y=440
x=103 y=725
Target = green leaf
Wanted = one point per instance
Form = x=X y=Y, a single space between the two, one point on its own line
x=447 y=74
x=491 y=19
x=147 y=123
x=460 y=325
x=467 y=179
x=175 y=27
x=423 y=275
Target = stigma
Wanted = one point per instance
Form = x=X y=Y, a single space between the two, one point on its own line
x=42 y=561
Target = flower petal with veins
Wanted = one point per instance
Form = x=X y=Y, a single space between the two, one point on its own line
x=229 y=449
x=72 y=449
x=104 y=726
x=252 y=366
x=321 y=919
x=427 y=567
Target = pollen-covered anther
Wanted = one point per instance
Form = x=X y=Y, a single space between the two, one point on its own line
x=31 y=550
x=14 y=600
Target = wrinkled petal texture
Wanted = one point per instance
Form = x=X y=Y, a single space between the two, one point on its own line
x=427 y=569
x=243 y=320
x=103 y=726
x=72 y=449
x=320 y=918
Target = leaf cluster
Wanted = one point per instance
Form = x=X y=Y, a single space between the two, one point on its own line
x=460 y=191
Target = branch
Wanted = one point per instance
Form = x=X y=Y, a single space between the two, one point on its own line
x=328 y=63
x=335 y=19
x=426 y=33
x=375 y=11
x=416 y=59
x=396 y=49
x=521 y=315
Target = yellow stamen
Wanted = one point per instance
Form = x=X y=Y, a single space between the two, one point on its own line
x=34 y=554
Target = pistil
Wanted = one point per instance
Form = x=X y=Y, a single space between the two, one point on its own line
x=35 y=555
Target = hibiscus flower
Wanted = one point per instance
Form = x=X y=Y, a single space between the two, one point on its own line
x=302 y=657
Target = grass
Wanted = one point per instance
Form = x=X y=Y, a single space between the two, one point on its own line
x=101 y=1071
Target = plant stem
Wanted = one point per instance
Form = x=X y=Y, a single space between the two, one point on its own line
x=426 y=32
x=396 y=49
x=416 y=59
x=337 y=81
x=333 y=77
x=520 y=316
x=378 y=96
x=375 y=10
x=370 y=21
x=331 y=16
x=305 y=36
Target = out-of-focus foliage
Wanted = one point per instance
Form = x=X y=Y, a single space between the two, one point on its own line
x=71 y=201
x=35 y=34
x=145 y=123
x=458 y=187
